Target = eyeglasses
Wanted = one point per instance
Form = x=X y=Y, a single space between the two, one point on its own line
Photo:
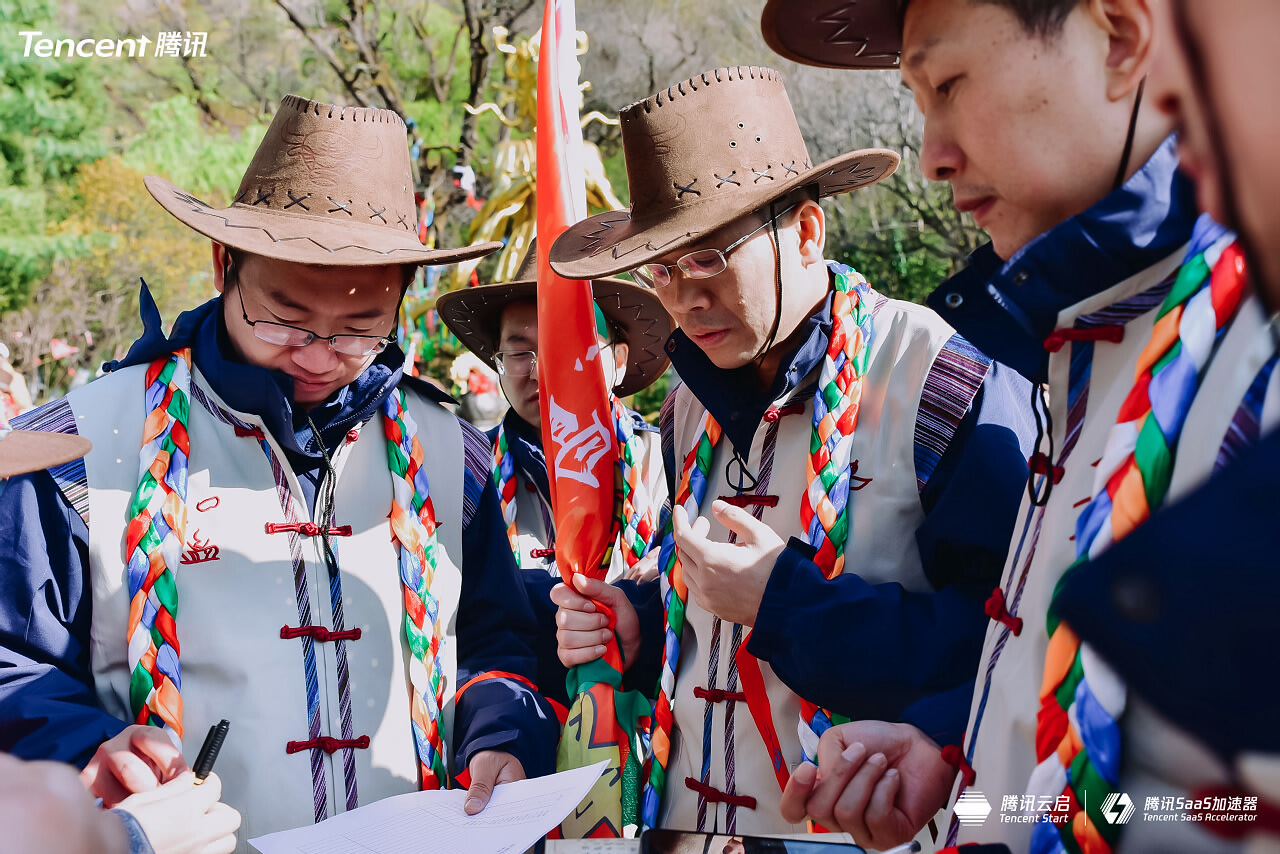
x=516 y=363
x=701 y=263
x=284 y=335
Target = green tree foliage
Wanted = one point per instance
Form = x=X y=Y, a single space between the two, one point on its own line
x=206 y=160
x=50 y=123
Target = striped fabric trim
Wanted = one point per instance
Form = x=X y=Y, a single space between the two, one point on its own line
x=344 y=681
x=1127 y=309
x=1246 y=424
x=1118 y=314
x=667 y=439
x=878 y=301
x=763 y=478
x=56 y=416
x=949 y=389
x=477 y=473
x=319 y=778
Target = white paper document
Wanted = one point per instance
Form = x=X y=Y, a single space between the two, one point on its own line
x=518 y=815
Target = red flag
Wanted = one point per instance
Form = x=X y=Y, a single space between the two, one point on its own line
x=577 y=424
x=579 y=438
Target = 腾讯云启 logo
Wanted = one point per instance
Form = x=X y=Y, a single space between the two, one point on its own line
x=972 y=809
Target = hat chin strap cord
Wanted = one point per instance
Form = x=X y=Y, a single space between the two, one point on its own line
x=777 y=290
x=1128 y=140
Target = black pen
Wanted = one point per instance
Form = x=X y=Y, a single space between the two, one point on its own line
x=209 y=750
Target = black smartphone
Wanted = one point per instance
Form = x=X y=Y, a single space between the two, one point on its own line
x=687 y=842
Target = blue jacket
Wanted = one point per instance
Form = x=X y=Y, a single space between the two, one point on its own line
x=48 y=707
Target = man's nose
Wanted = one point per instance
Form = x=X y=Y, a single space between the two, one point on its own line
x=317 y=357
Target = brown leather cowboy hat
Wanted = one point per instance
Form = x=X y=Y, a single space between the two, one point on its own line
x=328 y=185
x=835 y=33
x=700 y=155
x=474 y=315
x=23 y=451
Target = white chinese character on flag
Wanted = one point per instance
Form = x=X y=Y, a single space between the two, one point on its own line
x=580 y=449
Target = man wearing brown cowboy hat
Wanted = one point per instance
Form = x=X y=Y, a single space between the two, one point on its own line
x=811 y=406
x=499 y=323
x=329 y=529
x=1034 y=114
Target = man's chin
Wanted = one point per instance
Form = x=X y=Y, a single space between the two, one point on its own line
x=728 y=361
x=308 y=396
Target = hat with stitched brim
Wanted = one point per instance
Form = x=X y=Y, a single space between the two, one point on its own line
x=835 y=33
x=24 y=451
x=475 y=314
x=700 y=155
x=328 y=185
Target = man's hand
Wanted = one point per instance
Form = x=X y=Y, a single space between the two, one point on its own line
x=727 y=579
x=44 y=807
x=488 y=768
x=581 y=631
x=137 y=760
x=645 y=569
x=183 y=818
x=880 y=782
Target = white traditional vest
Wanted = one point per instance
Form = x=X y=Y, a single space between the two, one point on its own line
x=1005 y=721
x=237 y=590
x=881 y=547
x=533 y=514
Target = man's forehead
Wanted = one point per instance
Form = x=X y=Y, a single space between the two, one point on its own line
x=718 y=239
x=519 y=318
x=914 y=55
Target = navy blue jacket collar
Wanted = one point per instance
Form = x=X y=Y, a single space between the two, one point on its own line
x=1007 y=309
x=265 y=393
x=734 y=397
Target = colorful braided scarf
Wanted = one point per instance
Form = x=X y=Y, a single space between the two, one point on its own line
x=639 y=528
x=1078 y=743
x=413 y=531
x=636 y=511
x=823 y=513
x=504 y=477
x=154 y=544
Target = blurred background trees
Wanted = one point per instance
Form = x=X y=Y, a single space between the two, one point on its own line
x=78 y=230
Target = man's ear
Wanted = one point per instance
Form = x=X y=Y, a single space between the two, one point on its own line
x=620 y=353
x=812 y=228
x=1129 y=26
x=220 y=260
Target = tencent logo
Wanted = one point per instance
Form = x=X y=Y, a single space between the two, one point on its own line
x=972 y=809
x=1117 y=808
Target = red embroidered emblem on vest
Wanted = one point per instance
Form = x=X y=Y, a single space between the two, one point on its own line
x=199 y=551
x=855 y=482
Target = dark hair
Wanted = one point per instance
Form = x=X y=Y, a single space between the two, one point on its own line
x=235 y=260
x=1041 y=18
